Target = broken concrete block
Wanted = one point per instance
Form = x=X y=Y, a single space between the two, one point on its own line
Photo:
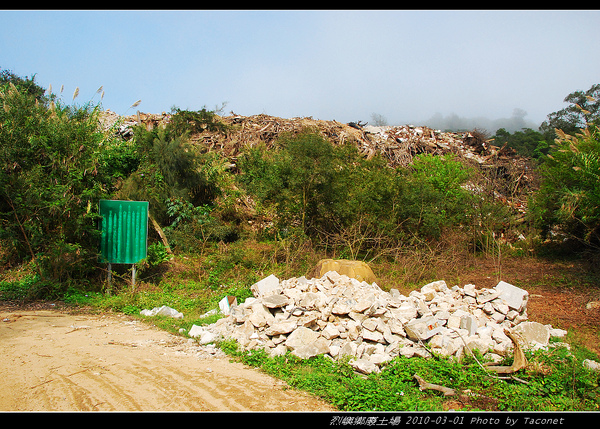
x=486 y=295
x=375 y=336
x=423 y=328
x=162 y=311
x=280 y=328
x=364 y=366
x=275 y=301
x=330 y=332
x=318 y=347
x=516 y=298
x=343 y=307
x=195 y=331
x=407 y=311
x=266 y=286
x=370 y=324
x=482 y=344
x=533 y=332
x=437 y=286
x=469 y=323
x=300 y=337
x=470 y=290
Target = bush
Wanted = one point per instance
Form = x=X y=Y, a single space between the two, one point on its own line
x=50 y=184
x=319 y=189
x=433 y=197
x=569 y=195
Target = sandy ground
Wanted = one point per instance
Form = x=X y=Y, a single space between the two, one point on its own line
x=55 y=361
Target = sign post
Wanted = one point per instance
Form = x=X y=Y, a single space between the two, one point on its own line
x=124 y=237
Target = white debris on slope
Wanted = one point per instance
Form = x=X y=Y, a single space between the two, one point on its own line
x=339 y=316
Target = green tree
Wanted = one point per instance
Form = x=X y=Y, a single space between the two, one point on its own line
x=583 y=109
x=527 y=142
x=433 y=197
x=299 y=180
x=26 y=85
x=170 y=167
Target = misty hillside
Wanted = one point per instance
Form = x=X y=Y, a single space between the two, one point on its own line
x=453 y=122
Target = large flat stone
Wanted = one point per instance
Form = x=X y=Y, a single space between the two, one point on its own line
x=318 y=347
x=301 y=337
x=266 y=286
x=516 y=298
x=533 y=332
x=275 y=301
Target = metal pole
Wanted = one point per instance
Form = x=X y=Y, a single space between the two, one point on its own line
x=132 y=275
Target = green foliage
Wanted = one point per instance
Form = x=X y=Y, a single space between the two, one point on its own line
x=156 y=254
x=318 y=188
x=583 y=110
x=26 y=85
x=527 y=142
x=569 y=196
x=169 y=167
x=49 y=184
x=357 y=205
x=298 y=179
x=184 y=122
x=433 y=197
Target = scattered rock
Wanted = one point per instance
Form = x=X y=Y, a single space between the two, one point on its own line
x=340 y=316
x=593 y=305
x=162 y=311
x=591 y=364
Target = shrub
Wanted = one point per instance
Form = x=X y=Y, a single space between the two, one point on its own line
x=569 y=195
x=50 y=183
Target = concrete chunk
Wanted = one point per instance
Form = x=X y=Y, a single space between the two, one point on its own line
x=533 y=331
x=275 y=301
x=423 y=328
x=266 y=286
x=516 y=298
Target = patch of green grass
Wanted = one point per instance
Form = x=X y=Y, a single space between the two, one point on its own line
x=554 y=381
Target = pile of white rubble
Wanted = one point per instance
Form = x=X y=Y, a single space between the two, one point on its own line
x=339 y=316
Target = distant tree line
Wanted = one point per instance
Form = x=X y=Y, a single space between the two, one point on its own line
x=583 y=110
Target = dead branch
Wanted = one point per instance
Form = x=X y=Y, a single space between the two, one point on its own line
x=520 y=361
x=423 y=385
x=161 y=233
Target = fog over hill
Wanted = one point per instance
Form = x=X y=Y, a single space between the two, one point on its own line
x=453 y=122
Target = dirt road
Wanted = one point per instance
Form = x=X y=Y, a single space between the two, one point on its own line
x=55 y=361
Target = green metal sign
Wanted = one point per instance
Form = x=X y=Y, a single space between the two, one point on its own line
x=124 y=231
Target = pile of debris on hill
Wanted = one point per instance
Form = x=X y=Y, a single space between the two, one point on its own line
x=339 y=316
x=512 y=174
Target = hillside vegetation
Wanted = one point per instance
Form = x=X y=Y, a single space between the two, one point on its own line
x=233 y=199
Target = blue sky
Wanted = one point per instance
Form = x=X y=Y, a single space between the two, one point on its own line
x=406 y=65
